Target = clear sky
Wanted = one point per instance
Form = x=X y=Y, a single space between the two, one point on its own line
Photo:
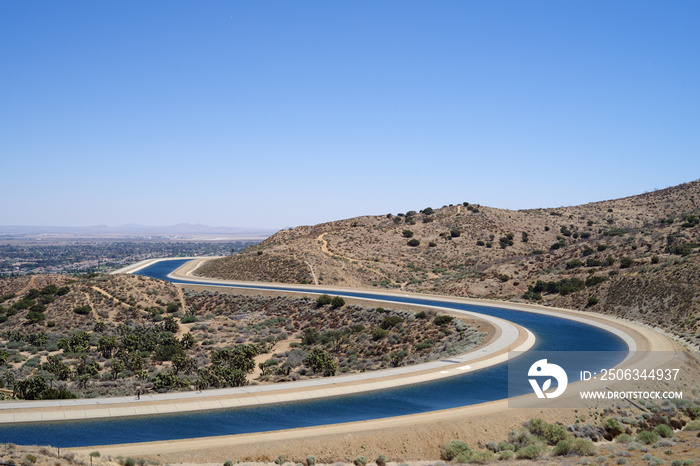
x=283 y=113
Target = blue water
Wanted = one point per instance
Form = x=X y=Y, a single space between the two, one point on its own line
x=553 y=334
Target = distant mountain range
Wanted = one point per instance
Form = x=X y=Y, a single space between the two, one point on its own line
x=134 y=229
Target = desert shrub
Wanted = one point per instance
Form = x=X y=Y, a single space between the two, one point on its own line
x=595 y=280
x=83 y=310
x=531 y=452
x=188 y=319
x=228 y=463
x=390 y=322
x=129 y=462
x=552 y=433
x=421 y=315
x=574 y=263
x=381 y=460
x=692 y=425
x=664 y=431
x=583 y=447
x=506 y=455
x=443 y=320
x=455 y=233
x=407 y=234
x=562 y=448
x=323 y=300
x=454 y=448
x=478 y=457
x=592 y=300
x=626 y=262
x=413 y=243
x=647 y=437
x=311 y=460
x=310 y=336
x=360 y=461
x=337 y=302
x=432 y=244
x=378 y=333
x=623 y=438
x=480 y=243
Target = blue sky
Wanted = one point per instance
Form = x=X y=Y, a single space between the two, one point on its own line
x=276 y=114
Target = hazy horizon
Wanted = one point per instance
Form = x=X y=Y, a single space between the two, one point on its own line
x=278 y=115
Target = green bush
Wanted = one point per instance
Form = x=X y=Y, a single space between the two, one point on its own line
x=562 y=448
x=478 y=457
x=337 y=302
x=592 y=300
x=413 y=242
x=574 y=263
x=378 y=333
x=693 y=425
x=407 y=234
x=323 y=300
x=623 y=438
x=453 y=449
x=647 y=437
x=455 y=233
x=664 y=431
x=188 y=319
x=443 y=320
x=82 y=310
x=506 y=455
x=311 y=460
x=552 y=433
x=583 y=447
x=626 y=262
x=381 y=460
x=390 y=322
x=530 y=452
x=228 y=463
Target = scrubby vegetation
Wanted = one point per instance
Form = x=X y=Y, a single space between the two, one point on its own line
x=135 y=333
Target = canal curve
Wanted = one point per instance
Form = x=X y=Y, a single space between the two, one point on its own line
x=553 y=333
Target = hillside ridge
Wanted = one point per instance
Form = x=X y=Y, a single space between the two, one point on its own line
x=635 y=257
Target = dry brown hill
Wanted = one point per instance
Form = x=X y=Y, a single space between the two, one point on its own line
x=634 y=257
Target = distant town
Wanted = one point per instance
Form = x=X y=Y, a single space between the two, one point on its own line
x=104 y=255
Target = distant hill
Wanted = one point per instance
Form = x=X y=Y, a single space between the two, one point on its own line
x=635 y=257
x=134 y=229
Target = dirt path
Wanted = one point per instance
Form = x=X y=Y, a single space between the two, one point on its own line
x=28 y=287
x=313 y=274
x=93 y=311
